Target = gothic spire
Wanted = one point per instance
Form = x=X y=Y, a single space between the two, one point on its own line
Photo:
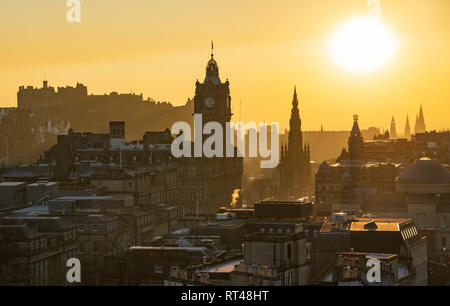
x=295 y=99
x=420 y=122
x=407 y=128
x=295 y=125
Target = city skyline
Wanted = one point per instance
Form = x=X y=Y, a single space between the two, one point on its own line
x=149 y=60
x=206 y=145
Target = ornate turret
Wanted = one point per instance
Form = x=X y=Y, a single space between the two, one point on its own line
x=212 y=69
x=355 y=142
x=212 y=97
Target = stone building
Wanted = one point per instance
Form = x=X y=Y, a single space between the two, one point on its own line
x=344 y=246
x=205 y=184
x=420 y=192
x=34 y=251
x=295 y=165
x=145 y=169
x=270 y=259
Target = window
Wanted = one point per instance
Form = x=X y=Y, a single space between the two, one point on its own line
x=159 y=269
x=81 y=247
x=81 y=228
x=289 y=278
x=95 y=228
x=444 y=243
x=289 y=251
x=263 y=229
x=443 y=221
x=421 y=220
x=96 y=247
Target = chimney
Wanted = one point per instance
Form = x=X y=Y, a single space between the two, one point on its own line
x=45 y=84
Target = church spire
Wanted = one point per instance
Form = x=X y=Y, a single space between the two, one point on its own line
x=295 y=126
x=407 y=128
x=295 y=99
x=420 y=122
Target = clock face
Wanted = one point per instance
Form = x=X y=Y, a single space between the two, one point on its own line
x=209 y=102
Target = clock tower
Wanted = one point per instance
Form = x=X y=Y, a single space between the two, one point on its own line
x=206 y=184
x=212 y=97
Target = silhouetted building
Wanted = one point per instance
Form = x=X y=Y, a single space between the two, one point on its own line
x=420 y=122
x=393 y=131
x=208 y=183
x=349 y=243
x=355 y=144
x=145 y=168
x=295 y=165
x=34 y=251
x=407 y=133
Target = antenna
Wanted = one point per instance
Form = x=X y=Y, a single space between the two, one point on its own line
x=212 y=48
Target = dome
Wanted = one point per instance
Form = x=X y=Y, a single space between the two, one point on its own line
x=212 y=71
x=424 y=171
x=424 y=176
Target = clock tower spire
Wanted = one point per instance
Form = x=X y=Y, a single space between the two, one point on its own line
x=212 y=97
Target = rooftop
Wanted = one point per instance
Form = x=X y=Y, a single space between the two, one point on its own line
x=222 y=267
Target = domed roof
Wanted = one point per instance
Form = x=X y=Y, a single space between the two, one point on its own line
x=424 y=171
x=212 y=71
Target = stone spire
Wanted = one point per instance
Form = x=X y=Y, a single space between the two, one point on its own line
x=407 y=128
x=295 y=127
x=420 y=122
x=355 y=142
x=393 y=131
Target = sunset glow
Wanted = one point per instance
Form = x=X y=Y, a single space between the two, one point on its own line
x=362 y=45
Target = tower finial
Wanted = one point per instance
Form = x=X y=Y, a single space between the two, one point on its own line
x=295 y=99
x=212 y=49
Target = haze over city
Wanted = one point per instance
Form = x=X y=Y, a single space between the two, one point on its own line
x=265 y=49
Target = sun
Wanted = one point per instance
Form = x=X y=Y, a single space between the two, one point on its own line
x=362 y=45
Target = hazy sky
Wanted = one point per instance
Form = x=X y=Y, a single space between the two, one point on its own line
x=160 y=48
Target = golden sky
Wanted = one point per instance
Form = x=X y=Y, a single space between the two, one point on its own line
x=264 y=47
